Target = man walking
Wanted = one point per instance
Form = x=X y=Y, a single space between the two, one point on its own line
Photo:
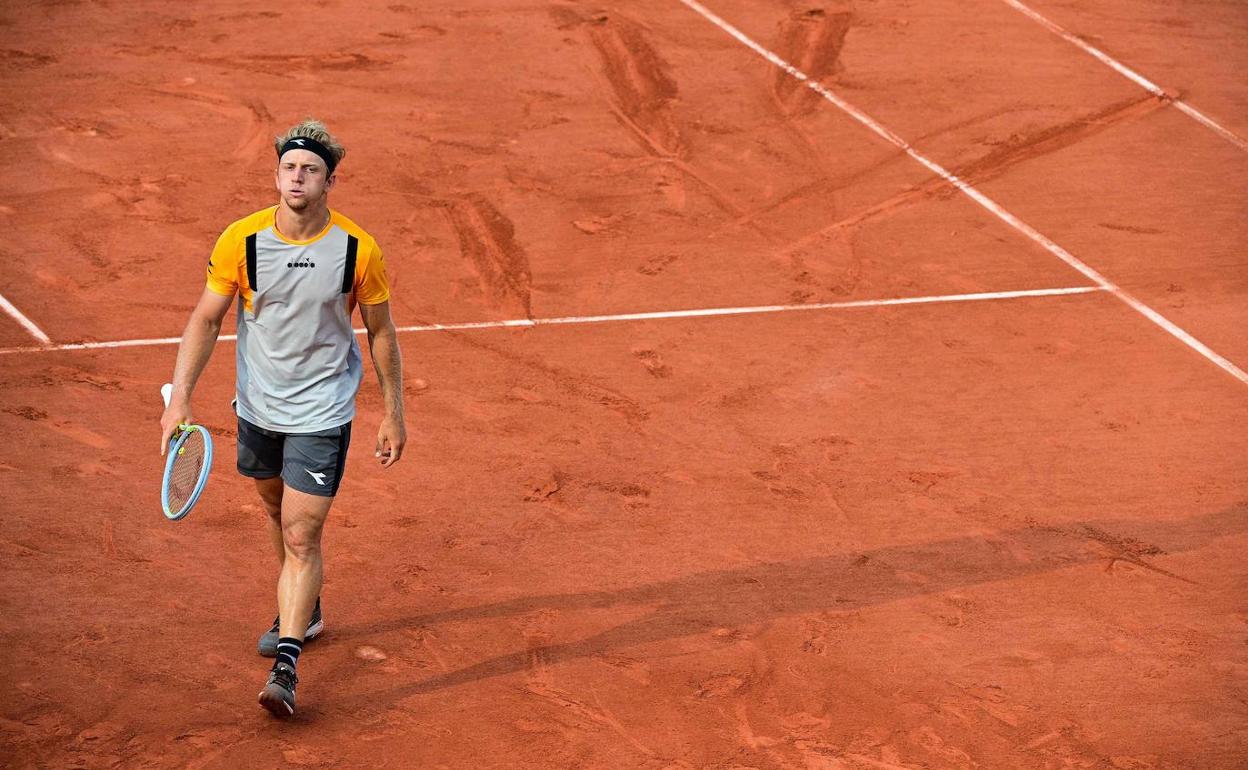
x=299 y=269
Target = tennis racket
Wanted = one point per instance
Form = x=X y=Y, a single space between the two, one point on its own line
x=187 y=466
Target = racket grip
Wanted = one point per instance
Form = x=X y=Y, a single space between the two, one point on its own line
x=166 y=392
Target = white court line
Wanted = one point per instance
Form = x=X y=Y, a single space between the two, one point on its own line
x=973 y=194
x=590 y=319
x=26 y=323
x=723 y=311
x=1130 y=74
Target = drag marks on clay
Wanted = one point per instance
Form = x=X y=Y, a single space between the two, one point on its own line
x=142 y=197
x=104 y=744
x=955 y=610
x=643 y=95
x=415 y=578
x=79 y=434
x=796 y=473
x=26 y=413
x=1004 y=156
x=576 y=385
x=723 y=685
x=596 y=225
x=1133 y=229
x=653 y=362
x=635 y=495
x=282 y=65
x=487 y=240
x=88 y=129
x=425 y=31
x=205 y=745
x=108 y=744
x=834 y=267
x=643 y=88
x=924 y=481
x=61 y=376
x=635 y=669
x=656 y=264
x=1120 y=548
x=568 y=503
x=256 y=136
x=812 y=40
x=1058 y=737
x=838 y=268
x=542 y=487
x=1130 y=551
x=18 y=59
x=1023 y=147
x=572 y=715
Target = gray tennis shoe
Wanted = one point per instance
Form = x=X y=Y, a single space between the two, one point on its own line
x=278 y=695
x=268 y=640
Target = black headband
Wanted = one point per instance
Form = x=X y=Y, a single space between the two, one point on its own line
x=311 y=145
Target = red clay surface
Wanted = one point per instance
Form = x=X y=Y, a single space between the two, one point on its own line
x=1001 y=534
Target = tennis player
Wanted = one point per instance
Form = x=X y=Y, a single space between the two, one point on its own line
x=299 y=269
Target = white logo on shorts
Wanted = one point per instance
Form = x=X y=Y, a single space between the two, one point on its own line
x=319 y=478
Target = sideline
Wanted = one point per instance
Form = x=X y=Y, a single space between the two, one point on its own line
x=25 y=322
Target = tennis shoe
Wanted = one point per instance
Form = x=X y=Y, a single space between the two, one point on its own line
x=278 y=695
x=268 y=640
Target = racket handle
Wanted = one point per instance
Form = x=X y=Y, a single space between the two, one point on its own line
x=166 y=392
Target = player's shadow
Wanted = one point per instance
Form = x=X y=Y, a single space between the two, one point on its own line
x=706 y=601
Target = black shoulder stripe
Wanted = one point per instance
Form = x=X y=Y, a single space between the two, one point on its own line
x=348 y=270
x=251 y=261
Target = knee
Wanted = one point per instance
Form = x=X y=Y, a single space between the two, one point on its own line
x=303 y=541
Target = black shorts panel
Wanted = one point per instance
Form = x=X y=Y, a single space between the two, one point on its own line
x=259 y=451
x=312 y=463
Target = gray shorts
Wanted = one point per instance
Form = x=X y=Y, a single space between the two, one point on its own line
x=309 y=462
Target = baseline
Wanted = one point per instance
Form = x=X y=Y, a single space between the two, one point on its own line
x=1130 y=74
x=645 y=316
x=983 y=200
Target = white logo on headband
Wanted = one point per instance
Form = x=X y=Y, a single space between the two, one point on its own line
x=298 y=142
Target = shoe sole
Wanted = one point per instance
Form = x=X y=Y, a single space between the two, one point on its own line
x=271 y=698
x=314 y=631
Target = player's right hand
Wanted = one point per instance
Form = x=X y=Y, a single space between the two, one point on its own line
x=177 y=413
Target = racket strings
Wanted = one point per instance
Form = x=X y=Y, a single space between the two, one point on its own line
x=188 y=463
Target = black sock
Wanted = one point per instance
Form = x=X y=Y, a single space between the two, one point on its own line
x=288 y=649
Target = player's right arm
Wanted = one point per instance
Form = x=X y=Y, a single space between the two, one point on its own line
x=198 y=340
x=226 y=275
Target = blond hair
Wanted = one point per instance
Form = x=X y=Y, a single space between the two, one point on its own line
x=312 y=128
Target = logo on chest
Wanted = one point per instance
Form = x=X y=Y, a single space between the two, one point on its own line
x=301 y=262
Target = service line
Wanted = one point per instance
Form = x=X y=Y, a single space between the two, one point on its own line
x=526 y=323
x=1130 y=74
x=25 y=322
x=983 y=200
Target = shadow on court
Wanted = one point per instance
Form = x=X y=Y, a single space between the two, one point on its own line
x=703 y=602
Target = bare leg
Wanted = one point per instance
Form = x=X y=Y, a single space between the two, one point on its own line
x=271 y=497
x=303 y=518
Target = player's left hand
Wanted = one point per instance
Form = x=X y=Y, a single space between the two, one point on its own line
x=391 y=437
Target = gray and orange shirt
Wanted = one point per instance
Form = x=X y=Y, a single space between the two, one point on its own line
x=299 y=365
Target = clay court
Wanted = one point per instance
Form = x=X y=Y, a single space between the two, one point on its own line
x=947 y=470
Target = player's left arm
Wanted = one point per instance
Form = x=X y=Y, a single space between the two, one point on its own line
x=383 y=345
